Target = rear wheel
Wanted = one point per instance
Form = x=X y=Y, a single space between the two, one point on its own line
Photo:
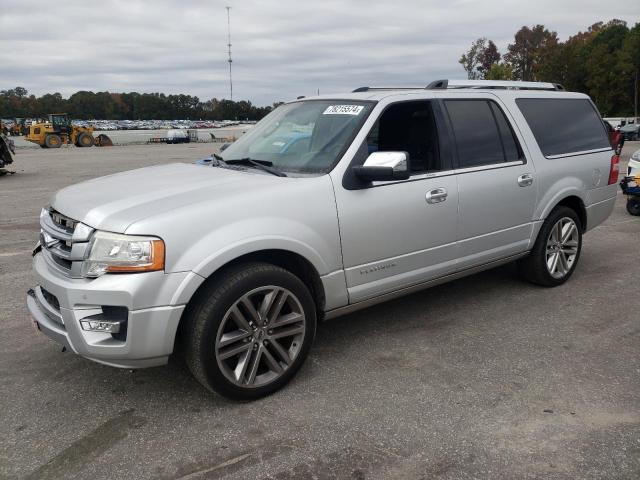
x=53 y=141
x=557 y=249
x=85 y=139
x=633 y=206
x=249 y=331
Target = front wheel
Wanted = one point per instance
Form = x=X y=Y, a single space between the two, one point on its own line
x=249 y=331
x=85 y=139
x=53 y=141
x=555 y=254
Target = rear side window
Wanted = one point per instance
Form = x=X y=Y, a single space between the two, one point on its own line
x=482 y=133
x=565 y=125
x=511 y=148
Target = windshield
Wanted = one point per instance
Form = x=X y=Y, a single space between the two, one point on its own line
x=302 y=137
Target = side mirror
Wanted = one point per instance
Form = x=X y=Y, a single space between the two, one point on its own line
x=384 y=166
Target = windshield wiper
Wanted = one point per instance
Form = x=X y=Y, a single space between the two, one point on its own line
x=265 y=165
x=217 y=160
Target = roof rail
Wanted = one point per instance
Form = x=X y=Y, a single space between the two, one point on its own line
x=368 y=89
x=493 y=84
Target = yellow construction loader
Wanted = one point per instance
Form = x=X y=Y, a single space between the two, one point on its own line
x=58 y=130
x=18 y=128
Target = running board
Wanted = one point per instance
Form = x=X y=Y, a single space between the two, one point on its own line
x=338 y=312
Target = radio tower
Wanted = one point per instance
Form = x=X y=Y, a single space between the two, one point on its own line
x=229 y=45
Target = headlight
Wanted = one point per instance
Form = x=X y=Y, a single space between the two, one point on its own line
x=115 y=253
x=636 y=155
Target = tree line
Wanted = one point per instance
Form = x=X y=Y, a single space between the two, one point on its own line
x=86 y=105
x=603 y=62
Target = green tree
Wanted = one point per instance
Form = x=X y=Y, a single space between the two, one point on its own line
x=488 y=57
x=524 y=55
x=604 y=83
x=500 y=71
x=51 y=103
x=629 y=68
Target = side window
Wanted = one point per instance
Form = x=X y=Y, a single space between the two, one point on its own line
x=482 y=133
x=408 y=127
x=512 y=151
x=564 y=126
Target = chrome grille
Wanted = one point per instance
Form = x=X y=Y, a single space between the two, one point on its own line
x=63 y=221
x=64 y=241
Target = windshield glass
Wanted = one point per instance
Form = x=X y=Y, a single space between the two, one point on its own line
x=302 y=137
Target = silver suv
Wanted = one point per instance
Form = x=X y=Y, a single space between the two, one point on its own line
x=330 y=204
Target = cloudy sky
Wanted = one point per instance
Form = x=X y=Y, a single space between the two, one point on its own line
x=281 y=49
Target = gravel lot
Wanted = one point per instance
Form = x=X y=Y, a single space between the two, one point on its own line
x=486 y=377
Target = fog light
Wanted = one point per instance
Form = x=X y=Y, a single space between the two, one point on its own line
x=106 y=326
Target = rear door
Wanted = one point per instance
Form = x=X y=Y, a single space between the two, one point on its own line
x=496 y=182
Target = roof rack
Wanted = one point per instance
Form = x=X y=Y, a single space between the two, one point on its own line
x=476 y=84
x=368 y=89
x=493 y=84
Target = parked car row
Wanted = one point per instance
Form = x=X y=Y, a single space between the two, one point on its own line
x=148 y=124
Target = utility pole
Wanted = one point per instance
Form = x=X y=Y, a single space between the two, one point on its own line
x=229 y=46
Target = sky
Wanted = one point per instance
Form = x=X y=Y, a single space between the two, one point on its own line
x=280 y=49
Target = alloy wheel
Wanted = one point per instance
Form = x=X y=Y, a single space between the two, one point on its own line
x=562 y=247
x=260 y=336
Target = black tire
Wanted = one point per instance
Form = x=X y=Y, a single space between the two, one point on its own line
x=633 y=206
x=85 y=139
x=533 y=267
x=204 y=321
x=53 y=141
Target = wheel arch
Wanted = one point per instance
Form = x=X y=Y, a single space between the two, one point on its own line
x=287 y=259
x=569 y=197
x=576 y=204
x=571 y=201
x=291 y=261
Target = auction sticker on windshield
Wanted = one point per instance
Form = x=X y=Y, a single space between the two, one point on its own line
x=343 y=110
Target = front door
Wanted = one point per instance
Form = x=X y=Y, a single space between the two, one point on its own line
x=400 y=233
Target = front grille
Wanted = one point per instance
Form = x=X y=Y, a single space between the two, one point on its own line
x=64 y=241
x=62 y=221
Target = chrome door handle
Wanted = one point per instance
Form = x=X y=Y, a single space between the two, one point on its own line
x=436 y=195
x=525 y=179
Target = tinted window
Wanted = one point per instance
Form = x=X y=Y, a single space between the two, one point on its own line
x=408 y=127
x=512 y=150
x=476 y=133
x=564 y=125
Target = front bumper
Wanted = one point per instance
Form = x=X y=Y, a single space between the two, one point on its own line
x=58 y=303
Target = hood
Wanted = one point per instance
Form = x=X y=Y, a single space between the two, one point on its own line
x=116 y=201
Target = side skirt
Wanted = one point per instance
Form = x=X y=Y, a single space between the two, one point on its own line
x=420 y=286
